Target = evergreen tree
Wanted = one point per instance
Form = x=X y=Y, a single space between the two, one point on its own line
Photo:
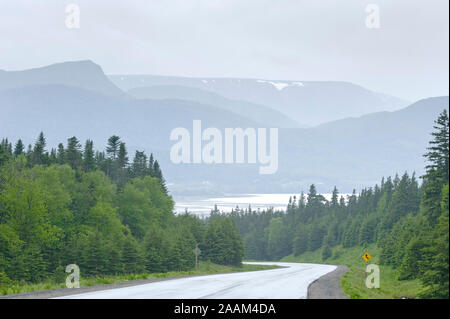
x=122 y=159
x=438 y=151
x=151 y=163
x=158 y=174
x=301 y=239
x=73 y=155
x=334 y=197
x=60 y=156
x=326 y=252
x=139 y=165
x=279 y=244
x=437 y=169
x=88 y=156
x=222 y=244
x=112 y=149
x=436 y=266
x=316 y=236
x=100 y=161
x=39 y=150
x=19 y=148
x=132 y=256
x=5 y=151
x=53 y=157
x=156 y=250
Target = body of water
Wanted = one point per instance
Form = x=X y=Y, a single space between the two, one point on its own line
x=203 y=205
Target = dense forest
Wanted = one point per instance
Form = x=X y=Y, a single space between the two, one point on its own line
x=408 y=221
x=110 y=215
x=74 y=205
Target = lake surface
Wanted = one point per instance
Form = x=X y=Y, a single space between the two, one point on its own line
x=202 y=206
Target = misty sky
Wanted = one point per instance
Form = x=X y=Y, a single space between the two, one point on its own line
x=272 y=39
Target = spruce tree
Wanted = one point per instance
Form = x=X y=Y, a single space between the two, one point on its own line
x=61 y=156
x=119 y=174
x=88 y=156
x=5 y=151
x=438 y=151
x=122 y=159
x=437 y=169
x=39 y=150
x=151 y=163
x=436 y=267
x=112 y=149
x=158 y=174
x=53 y=157
x=19 y=148
x=139 y=165
x=334 y=197
x=73 y=153
x=326 y=252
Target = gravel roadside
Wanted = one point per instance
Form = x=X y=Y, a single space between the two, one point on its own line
x=328 y=286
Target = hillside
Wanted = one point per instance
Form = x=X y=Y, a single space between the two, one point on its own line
x=81 y=74
x=268 y=117
x=308 y=102
x=352 y=152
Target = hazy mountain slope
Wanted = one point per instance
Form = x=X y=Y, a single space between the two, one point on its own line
x=402 y=121
x=82 y=74
x=260 y=113
x=349 y=153
x=308 y=102
x=359 y=151
x=346 y=153
x=62 y=112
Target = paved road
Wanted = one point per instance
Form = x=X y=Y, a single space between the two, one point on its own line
x=290 y=282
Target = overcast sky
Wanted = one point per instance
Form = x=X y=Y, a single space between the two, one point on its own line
x=271 y=39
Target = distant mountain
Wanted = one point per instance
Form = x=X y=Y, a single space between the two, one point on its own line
x=308 y=102
x=81 y=74
x=77 y=99
x=359 y=151
x=62 y=111
x=267 y=116
x=348 y=153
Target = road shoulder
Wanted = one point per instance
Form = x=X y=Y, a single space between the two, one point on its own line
x=54 y=293
x=61 y=292
x=328 y=286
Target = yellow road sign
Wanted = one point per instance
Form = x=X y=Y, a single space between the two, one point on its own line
x=366 y=257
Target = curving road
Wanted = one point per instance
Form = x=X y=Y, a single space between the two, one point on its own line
x=290 y=282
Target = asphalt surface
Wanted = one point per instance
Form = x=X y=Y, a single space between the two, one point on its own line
x=289 y=282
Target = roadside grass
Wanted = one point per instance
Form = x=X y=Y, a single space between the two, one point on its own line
x=204 y=268
x=353 y=282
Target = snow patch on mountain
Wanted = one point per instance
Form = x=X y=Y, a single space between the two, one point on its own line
x=281 y=85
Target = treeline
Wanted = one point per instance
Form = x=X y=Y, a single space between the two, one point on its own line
x=114 y=162
x=407 y=220
x=96 y=210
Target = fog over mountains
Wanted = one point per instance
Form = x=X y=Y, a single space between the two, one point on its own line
x=264 y=115
x=307 y=102
x=362 y=135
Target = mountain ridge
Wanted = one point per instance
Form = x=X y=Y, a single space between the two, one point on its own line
x=349 y=152
x=347 y=155
x=265 y=115
x=84 y=74
x=308 y=102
